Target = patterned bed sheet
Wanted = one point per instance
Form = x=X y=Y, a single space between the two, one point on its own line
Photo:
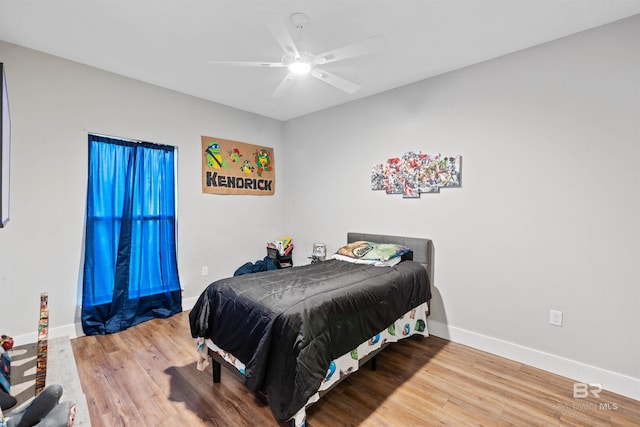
x=411 y=323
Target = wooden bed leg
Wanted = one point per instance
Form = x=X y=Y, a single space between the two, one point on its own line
x=374 y=363
x=215 y=368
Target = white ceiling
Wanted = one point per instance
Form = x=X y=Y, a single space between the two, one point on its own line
x=169 y=42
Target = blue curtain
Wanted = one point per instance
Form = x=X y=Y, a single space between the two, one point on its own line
x=130 y=265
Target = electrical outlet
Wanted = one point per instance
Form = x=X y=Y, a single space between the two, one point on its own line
x=555 y=317
x=205 y=271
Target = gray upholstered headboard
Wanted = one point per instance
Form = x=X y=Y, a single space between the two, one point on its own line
x=422 y=248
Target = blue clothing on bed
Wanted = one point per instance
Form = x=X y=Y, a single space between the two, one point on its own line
x=261 y=265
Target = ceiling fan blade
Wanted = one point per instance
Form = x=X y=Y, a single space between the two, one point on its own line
x=284 y=85
x=342 y=84
x=279 y=30
x=249 y=64
x=364 y=47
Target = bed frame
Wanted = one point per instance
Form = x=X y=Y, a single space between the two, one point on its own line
x=423 y=253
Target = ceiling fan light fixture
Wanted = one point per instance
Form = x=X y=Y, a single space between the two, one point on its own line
x=300 y=67
x=300 y=63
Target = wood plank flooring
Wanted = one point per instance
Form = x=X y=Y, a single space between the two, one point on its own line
x=146 y=376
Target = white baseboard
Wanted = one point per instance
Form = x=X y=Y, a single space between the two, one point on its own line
x=578 y=371
x=75 y=330
x=71 y=331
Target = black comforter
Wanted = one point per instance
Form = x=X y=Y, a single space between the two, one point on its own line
x=287 y=325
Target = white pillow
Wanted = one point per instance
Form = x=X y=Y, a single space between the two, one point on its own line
x=375 y=263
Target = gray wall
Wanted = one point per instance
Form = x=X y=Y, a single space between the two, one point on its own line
x=547 y=217
x=54 y=103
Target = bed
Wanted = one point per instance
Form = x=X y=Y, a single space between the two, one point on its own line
x=292 y=334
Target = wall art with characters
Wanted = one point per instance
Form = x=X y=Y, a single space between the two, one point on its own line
x=232 y=167
x=416 y=173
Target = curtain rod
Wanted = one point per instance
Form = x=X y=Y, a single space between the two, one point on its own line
x=136 y=141
x=120 y=138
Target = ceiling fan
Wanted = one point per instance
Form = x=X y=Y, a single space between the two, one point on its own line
x=301 y=63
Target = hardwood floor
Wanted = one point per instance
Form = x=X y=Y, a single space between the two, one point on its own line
x=146 y=376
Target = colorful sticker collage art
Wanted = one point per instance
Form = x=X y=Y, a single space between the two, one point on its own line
x=416 y=173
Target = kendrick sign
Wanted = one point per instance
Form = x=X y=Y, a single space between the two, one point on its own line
x=232 y=167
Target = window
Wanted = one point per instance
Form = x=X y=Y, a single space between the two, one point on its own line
x=130 y=270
